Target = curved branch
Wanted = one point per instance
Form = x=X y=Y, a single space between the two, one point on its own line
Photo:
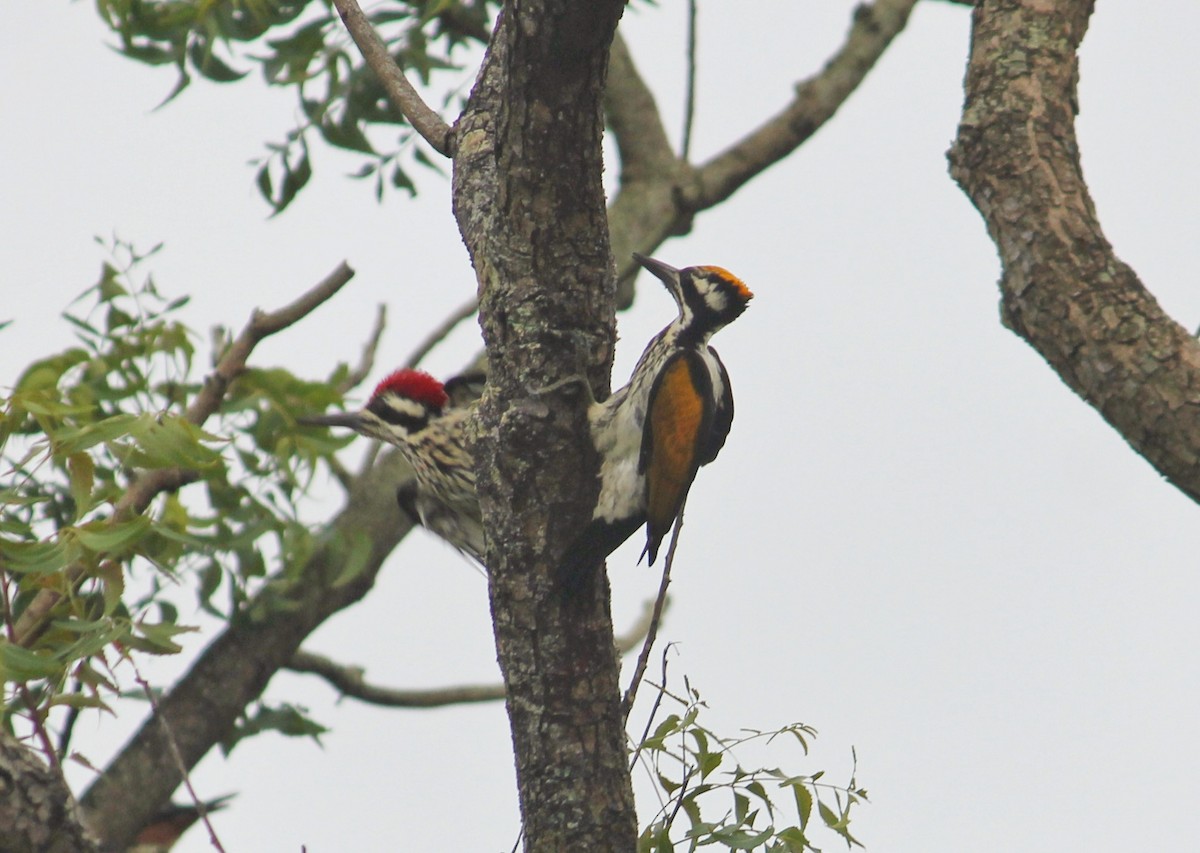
x=660 y=194
x=644 y=209
x=815 y=102
x=443 y=329
x=400 y=92
x=1062 y=288
x=150 y=484
x=351 y=680
x=366 y=362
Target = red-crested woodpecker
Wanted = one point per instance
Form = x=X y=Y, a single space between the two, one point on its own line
x=411 y=410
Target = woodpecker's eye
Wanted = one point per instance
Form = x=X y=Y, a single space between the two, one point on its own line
x=719 y=278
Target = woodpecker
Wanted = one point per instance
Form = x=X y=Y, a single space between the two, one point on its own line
x=411 y=410
x=671 y=418
x=170 y=823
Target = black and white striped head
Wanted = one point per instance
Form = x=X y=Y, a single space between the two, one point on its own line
x=402 y=405
x=709 y=298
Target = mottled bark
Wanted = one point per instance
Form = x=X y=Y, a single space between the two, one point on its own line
x=37 y=812
x=1062 y=288
x=530 y=204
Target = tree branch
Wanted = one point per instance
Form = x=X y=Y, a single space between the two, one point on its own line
x=366 y=362
x=1062 y=287
x=400 y=92
x=351 y=680
x=233 y=670
x=641 y=213
x=659 y=194
x=815 y=102
x=467 y=309
x=150 y=484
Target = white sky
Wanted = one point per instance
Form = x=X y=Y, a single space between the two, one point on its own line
x=917 y=539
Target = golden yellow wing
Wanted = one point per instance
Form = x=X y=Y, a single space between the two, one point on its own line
x=677 y=423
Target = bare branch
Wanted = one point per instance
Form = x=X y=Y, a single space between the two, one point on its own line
x=149 y=484
x=645 y=210
x=439 y=333
x=689 y=101
x=632 y=116
x=815 y=102
x=400 y=92
x=351 y=680
x=366 y=362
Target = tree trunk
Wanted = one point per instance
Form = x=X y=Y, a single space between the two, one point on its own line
x=530 y=204
x=37 y=812
x=1063 y=289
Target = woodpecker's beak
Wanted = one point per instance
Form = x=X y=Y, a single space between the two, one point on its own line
x=667 y=273
x=350 y=420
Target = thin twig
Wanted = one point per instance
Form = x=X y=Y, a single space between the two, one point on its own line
x=39 y=728
x=177 y=756
x=441 y=331
x=400 y=92
x=662 y=691
x=660 y=603
x=366 y=362
x=689 y=102
x=68 y=728
x=149 y=484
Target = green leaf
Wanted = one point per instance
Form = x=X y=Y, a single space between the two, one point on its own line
x=795 y=840
x=71 y=441
x=150 y=53
x=263 y=180
x=804 y=801
x=36 y=558
x=289 y=720
x=738 y=839
x=80 y=700
x=170 y=441
x=209 y=66
x=82 y=472
x=157 y=639
x=105 y=536
x=112 y=584
x=20 y=664
x=354 y=559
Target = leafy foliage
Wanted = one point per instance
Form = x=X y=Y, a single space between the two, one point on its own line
x=301 y=45
x=692 y=767
x=79 y=427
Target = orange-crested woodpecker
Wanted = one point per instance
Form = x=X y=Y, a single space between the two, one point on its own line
x=671 y=418
x=412 y=411
x=171 y=822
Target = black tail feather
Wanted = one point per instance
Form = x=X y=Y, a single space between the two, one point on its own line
x=583 y=559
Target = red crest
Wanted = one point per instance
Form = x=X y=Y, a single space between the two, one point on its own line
x=416 y=385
